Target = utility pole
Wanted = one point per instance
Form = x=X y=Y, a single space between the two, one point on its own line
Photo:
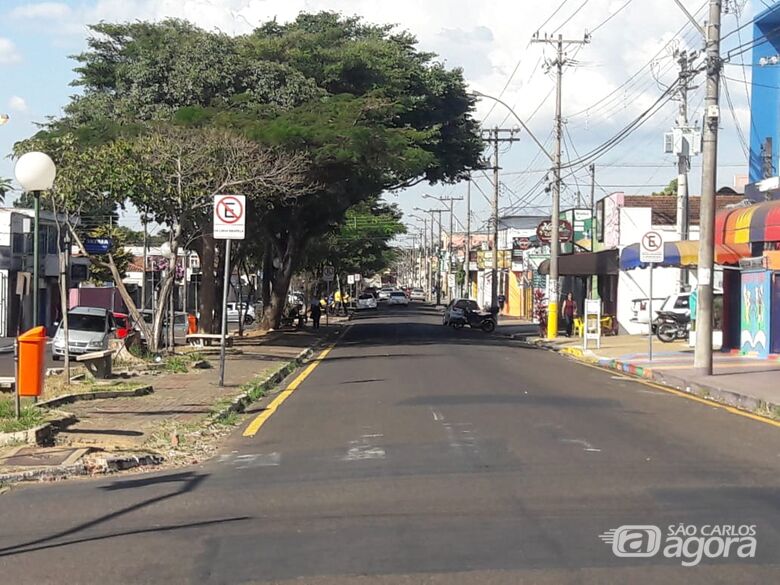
x=467 y=291
x=494 y=137
x=685 y=148
x=439 y=248
x=703 y=351
x=451 y=234
x=592 y=169
x=552 y=287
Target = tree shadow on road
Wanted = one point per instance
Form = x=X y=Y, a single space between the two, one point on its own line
x=184 y=482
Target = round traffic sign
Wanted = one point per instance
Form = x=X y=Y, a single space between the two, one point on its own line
x=652 y=241
x=229 y=209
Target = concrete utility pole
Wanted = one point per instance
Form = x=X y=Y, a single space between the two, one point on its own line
x=552 y=288
x=467 y=287
x=686 y=75
x=438 y=248
x=452 y=232
x=592 y=207
x=709 y=174
x=494 y=137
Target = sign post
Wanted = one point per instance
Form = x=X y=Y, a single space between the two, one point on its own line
x=229 y=224
x=651 y=251
x=328 y=274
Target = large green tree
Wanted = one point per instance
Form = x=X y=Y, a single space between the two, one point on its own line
x=366 y=108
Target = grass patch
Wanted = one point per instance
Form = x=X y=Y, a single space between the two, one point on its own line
x=255 y=388
x=176 y=364
x=30 y=416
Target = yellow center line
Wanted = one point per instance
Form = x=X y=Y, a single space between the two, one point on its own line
x=260 y=419
x=680 y=393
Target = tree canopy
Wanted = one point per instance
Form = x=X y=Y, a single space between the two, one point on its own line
x=359 y=103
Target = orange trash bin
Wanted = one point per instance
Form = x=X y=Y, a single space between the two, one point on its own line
x=32 y=347
x=192 y=324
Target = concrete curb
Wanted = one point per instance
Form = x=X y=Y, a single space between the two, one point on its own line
x=102 y=464
x=240 y=402
x=69 y=398
x=41 y=435
x=708 y=391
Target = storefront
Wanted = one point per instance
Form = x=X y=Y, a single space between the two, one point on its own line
x=752 y=293
x=578 y=269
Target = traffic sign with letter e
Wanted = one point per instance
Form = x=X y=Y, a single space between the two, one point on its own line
x=651 y=248
x=229 y=217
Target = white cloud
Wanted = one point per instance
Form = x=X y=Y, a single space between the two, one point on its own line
x=607 y=88
x=17 y=104
x=41 y=10
x=8 y=52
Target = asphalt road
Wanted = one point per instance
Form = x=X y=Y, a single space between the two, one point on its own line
x=417 y=454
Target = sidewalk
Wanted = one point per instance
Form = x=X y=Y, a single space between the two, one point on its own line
x=181 y=411
x=744 y=382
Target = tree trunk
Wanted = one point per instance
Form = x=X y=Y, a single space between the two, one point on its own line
x=268 y=269
x=208 y=285
x=281 y=283
x=154 y=343
x=111 y=265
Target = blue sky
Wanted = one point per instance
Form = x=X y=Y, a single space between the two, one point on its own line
x=490 y=40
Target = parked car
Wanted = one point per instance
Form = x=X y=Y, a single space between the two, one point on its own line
x=398 y=297
x=122 y=323
x=366 y=301
x=640 y=309
x=455 y=310
x=180 y=324
x=417 y=294
x=89 y=329
x=247 y=310
x=384 y=293
x=678 y=303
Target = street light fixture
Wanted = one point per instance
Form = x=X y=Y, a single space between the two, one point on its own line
x=554 y=217
x=518 y=118
x=35 y=172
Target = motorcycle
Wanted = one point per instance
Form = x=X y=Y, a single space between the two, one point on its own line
x=485 y=320
x=670 y=326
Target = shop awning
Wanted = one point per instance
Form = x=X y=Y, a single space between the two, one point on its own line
x=585 y=264
x=685 y=253
x=743 y=225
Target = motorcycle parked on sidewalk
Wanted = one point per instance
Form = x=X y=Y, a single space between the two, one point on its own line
x=670 y=326
x=485 y=320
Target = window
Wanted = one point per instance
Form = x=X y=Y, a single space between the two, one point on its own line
x=682 y=302
x=461 y=304
x=81 y=322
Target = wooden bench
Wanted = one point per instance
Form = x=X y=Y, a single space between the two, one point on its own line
x=203 y=339
x=98 y=363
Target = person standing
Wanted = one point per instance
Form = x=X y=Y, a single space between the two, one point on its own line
x=569 y=312
x=315 y=310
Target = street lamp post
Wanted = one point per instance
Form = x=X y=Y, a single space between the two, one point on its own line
x=554 y=243
x=35 y=172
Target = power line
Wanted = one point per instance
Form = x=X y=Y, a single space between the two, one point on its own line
x=611 y=16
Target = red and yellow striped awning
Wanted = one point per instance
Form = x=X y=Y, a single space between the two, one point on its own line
x=744 y=225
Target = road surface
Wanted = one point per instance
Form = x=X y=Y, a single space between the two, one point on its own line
x=417 y=454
